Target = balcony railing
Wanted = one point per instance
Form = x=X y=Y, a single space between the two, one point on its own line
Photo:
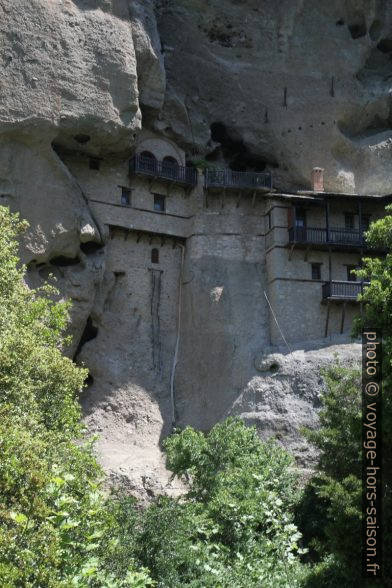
x=333 y=236
x=227 y=178
x=343 y=290
x=166 y=171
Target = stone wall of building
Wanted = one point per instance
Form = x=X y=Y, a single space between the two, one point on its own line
x=130 y=358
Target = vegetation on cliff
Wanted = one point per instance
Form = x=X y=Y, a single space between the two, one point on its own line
x=237 y=524
x=57 y=527
x=234 y=527
x=330 y=515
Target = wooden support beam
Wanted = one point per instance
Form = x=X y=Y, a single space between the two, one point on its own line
x=139 y=236
x=308 y=249
x=291 y=251
x=254 y=199
x=327 y=214
x=343 y=315
x=327 y=319
x=238 y=199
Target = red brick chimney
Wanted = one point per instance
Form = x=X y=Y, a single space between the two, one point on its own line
x=317 y=179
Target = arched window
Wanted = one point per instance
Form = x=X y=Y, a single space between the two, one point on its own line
x=147 y=161
x=170 y=167
x=154 y=255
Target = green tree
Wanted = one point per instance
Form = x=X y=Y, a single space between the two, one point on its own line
x=330 y=516
x=58 y=529
x=234 y=526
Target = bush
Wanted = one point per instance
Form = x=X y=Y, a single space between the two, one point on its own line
x=58 y=528
x=234 y=527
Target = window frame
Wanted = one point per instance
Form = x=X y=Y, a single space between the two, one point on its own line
x=269 y=220
x=125 y=194
x=159 y=198
x=300 y=215
x=315 y=266
x=154 y=256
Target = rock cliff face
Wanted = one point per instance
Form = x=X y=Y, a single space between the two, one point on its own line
x=286 y=85
x=256 y=85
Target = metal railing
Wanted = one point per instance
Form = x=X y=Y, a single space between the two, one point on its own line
x=227 y=178
x=334 y=236
x=343 y=290
x=173 y=172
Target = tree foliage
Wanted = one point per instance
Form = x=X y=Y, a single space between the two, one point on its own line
x=234 y=527
x=57 y=527
x=330 y=516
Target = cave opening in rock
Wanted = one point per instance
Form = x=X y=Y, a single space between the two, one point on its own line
x=62 y=261
x=357 y=28
x=94 y=163
x=90 y=247
x=82 y=138
x=89 y=381
x=90 y=332
x=385 y=45
x=236 y=153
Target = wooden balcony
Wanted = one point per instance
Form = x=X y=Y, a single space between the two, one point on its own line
x=164 y=171
x=339 y=238
x=344 y=291
x=235 y=180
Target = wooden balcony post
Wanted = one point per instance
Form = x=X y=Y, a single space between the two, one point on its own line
x=295 y=222
x=327 y=211
x=360 y=221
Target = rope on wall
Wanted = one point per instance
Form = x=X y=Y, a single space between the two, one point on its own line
x=276 y=320
x=175 y=359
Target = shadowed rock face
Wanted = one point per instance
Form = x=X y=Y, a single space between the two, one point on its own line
x=255 y=85
x=298 y=83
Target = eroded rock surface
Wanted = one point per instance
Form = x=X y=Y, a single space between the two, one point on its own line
x=255 y=85
x=283 y=86
x=286 y=394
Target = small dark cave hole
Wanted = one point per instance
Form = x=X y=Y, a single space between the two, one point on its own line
x=94 y=163
x=82 y=138
x=236 y=153
x=274 y=367
x=219 y=132
x=89 y=381
x=214 y=155
x=385 y=46
x=62 y=261
x=340 y=22
x=90 y=247
x=90 y=332
x=357 y=29
x=248 y=162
